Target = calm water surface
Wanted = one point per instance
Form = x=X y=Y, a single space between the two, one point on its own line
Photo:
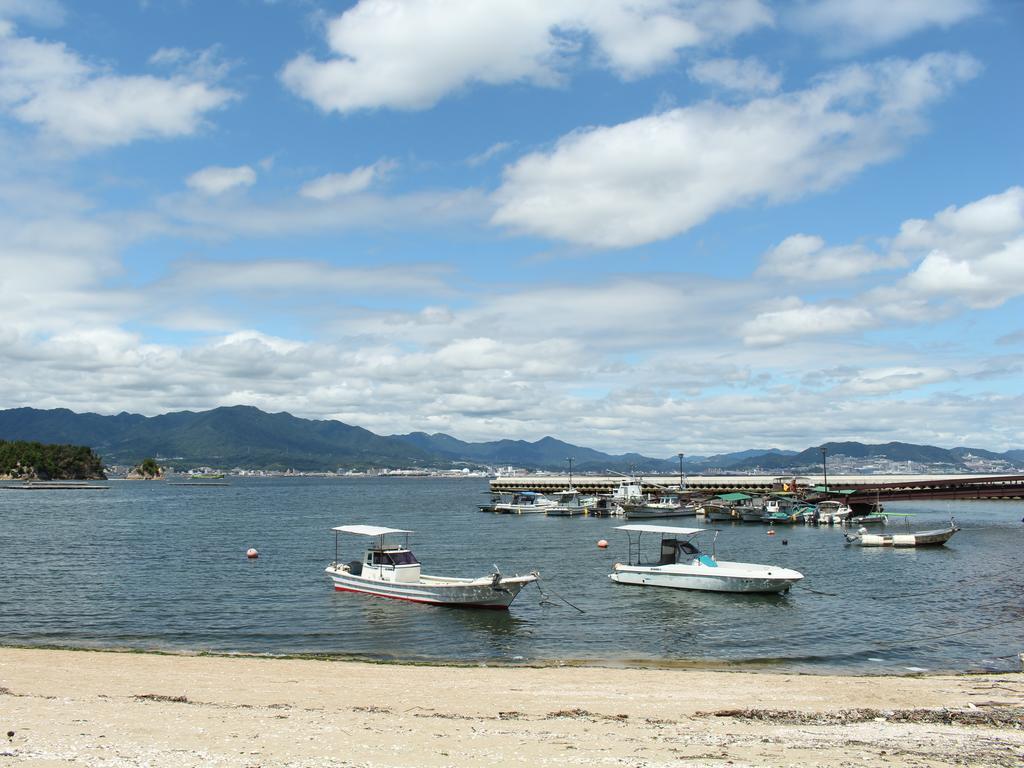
x=153 y=566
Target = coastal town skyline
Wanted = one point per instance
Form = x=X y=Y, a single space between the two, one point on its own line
x=627 y=224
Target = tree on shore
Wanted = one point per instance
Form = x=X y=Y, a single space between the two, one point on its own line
x=149 y=469
x=20 y=459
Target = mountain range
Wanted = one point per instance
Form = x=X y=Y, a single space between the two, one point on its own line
x=244 y=436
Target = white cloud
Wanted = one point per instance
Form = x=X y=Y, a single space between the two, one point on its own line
x=849 y=27
x=806 y=257
x=216 y=179
x=798 y=320
x=495 y=149
x=73 y=101
x=742 y=75
x=207 y=65
x=299 y=277
x=658 y=176
x=339 y=184
x=973 y=254
x=409 y=54
x=883 y=381
x=45 y=12
x=231 y=215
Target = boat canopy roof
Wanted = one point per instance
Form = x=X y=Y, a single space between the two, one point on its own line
x=734 y=496
x=660 y=529
x=825 y=489
x=368 y=530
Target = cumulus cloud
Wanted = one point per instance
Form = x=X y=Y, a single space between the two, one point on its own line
x=973 y=254
x=742 y=75
x=806 y=257
x=849 y=27
x=658 y=176
x=799 y=320
x=74 y=101
x=216 y=179
x=409 y=54
x=339 y=184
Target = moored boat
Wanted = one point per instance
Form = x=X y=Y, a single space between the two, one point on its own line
x=933 y=538
x=389 y=569
x=682 y=565
x=569 y=503
x=522 y=503
x=666 y=505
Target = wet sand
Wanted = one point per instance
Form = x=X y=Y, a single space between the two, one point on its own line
x=63 y=708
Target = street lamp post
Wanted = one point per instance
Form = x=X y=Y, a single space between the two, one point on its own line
x=680 y=471
x=570 y=459
x=824 y=466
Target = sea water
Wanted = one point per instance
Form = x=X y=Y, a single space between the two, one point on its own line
x=151 y=565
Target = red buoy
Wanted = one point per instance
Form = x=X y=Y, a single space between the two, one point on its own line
x=602 y=544
x=252 y=553
x=771 y=531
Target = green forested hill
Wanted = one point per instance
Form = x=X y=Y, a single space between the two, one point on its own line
x=20 y=458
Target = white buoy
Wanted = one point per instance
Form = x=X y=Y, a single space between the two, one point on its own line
x=252 y=553
x=603 y=544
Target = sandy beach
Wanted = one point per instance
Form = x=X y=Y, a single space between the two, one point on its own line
x=62 y=708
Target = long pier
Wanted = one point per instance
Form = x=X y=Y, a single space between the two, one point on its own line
x=867 y=488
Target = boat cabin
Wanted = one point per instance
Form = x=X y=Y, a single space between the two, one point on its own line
x=677 y=545
x=383 y=560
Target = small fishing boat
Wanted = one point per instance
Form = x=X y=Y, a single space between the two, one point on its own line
x=719 y=511
x=522 y=503
x=389 y=569
x=682 y=565
x=666 y=505
x=828 y=512
x=935 y=538
x=606 y=506
x=569 y=503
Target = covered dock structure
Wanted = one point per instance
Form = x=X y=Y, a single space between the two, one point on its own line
x=866 y=488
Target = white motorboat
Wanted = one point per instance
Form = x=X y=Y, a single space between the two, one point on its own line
x=389 y=569
x=666 y=505
x=829 y=512
x=683 y=566
x=523 y=503
x=569 y=503
x=935 y=538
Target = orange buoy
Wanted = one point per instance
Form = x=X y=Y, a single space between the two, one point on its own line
x=771 y=531
x=252 y=553
x=602 y=544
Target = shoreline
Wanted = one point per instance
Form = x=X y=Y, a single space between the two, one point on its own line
x=757 y=666
x=69 y=707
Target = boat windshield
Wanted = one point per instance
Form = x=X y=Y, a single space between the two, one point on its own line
x=394 y=557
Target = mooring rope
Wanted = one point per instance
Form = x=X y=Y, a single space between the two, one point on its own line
x=544 y=598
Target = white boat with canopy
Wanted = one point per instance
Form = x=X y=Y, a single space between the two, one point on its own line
x=682 y=565
x=390 y=569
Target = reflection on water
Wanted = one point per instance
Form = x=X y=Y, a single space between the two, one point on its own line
x=148 y=565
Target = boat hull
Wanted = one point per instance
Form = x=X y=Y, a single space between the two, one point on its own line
x=751 y=579
x=485 y=592
x=905 y=540
x=651 y=513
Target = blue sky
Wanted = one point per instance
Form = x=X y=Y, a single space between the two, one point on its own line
x=654 y=225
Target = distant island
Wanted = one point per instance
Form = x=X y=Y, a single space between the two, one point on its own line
x=25 y=460
x=246 y=438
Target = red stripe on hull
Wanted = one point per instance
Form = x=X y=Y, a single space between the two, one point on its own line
x=423 y=602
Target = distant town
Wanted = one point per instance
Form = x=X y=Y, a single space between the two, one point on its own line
x=838 y=463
